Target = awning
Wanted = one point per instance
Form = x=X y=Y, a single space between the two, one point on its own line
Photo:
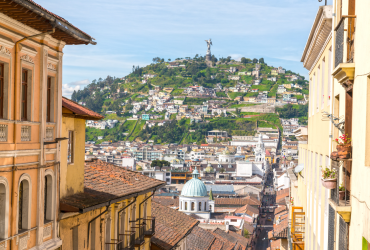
x=299 y=168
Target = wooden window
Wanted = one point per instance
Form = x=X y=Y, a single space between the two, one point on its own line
x=48 y=100
x=329 y=76
x=48 y=196
x=70 y=147
x=192 y=206
x=24 y=107
x=200 y=206
x=75 y=238
x=20 y=206
x=2 y=87
x=323 y=83
x=186 y=206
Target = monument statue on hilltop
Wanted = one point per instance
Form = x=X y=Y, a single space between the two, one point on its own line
x=208 y=55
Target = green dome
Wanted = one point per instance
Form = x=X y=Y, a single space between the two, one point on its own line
x=194 y=187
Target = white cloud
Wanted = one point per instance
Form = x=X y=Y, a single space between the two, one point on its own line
x=79 y=83
x=68 y=90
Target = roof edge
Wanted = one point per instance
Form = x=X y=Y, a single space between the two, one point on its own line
x=58 y=22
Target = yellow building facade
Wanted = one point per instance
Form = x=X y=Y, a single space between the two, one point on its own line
x=309 y=213
x=32 y=40
x=102 y=206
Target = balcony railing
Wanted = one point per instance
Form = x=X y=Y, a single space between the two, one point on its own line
x=341 y=194
x=344 y=40
x=139 y=234
x=129 y=239
x=297 y=232
x=149 y=226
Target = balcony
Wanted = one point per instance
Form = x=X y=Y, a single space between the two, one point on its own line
x=119 y=244
x=149 y=226
x=340 y=196
x=297 y=229
x=139 y=234
x=345 y=50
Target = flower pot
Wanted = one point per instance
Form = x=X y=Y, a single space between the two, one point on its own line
x=334 y=155
x=344 y=151
x=329 y=183
x=341 y=195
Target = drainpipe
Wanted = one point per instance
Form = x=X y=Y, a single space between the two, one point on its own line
x=145 y=201
x=120 y=211
x=16 y=76
x=88 y=225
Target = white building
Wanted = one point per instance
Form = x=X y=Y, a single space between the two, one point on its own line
x=194 y=198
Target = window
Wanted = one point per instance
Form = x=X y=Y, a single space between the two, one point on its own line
x=70 y=147
x=192 y=206
x=107 y=233
x=48 y=196
x=23 y=205
x=122 y=231
x=93 y=234
x=48 y=100
x=234 y=220
x=200 y=206
x=329 y=76
x=2 y=87
x=186 y=206
x=205 y=206
x=75 y=238
x=323 y=84
x=24 y=108
x=317 y=89
x=4 y=208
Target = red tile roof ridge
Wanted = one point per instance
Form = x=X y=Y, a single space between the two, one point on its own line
x=75 y=108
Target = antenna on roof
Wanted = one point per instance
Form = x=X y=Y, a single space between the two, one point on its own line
x=326 y=1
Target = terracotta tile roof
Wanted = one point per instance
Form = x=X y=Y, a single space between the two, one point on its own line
x=199 y=239
x=221 y=243
x=171 y=226
x=281 y=229
x=248 y=209
x=105 y=182
x=241 y=239
x=279 y=208
x=79 y=110
x=275 y=244
x=237 y=201
x=166 y=201
x=282 y=194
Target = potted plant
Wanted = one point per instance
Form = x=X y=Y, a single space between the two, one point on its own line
x=329 y=178
x=341 y=192
x=344 y=146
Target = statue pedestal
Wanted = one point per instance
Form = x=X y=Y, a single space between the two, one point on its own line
x=208 y=56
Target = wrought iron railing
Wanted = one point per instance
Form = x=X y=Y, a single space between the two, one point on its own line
x=341 y=194
x=139 y=234
x=344 y=40
x=149 y=226
x=129 y=238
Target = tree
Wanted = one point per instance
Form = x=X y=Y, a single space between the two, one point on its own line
x=169 y=59
x=262 y=61
x=222 y=170
x=246 y=233
x=243 y=60
x=255 y=60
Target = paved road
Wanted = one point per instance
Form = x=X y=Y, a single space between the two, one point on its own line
x=265 y=224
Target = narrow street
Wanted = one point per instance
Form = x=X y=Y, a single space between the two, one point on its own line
x=265 y=223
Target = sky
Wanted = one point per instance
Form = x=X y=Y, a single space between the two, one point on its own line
x=134 y=32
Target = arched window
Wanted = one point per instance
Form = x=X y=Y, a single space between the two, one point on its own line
x=180 y=205
x=200 y=206
x=210 y=208
x=192 y=206
x=186 y=206
x=4 y=208
x=24 y=194
x=48 y=198
x=205 y=206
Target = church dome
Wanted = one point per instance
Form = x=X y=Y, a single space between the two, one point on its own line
x=194 y=187
x=209 y=168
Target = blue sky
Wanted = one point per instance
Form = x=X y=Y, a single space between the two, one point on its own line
x=133 y=32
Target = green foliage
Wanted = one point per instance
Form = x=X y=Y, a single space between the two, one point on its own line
x=221 y=94
x=246 y=233
x=293 y=111
x=160 y=164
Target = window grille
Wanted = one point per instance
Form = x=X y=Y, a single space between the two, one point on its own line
x=49 y=133
x=331 y=231
x=26 y=133
x=3 y=132
x=343 y=234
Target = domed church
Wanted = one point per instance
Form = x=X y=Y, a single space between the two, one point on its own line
x=194 y=198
